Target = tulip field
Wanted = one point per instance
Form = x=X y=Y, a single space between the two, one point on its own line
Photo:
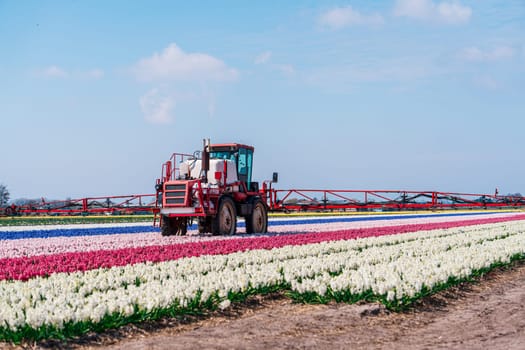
x=63 y=280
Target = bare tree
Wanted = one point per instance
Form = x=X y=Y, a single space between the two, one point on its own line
x=4 y=195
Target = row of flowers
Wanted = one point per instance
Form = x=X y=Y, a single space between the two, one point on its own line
x=95 y=230
x=392 y=268
x=23 y=268
x=278 y=224
x=68 y=220
x=74 y=238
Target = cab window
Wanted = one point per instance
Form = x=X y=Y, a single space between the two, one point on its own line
x=226 y=155
x=244 y=165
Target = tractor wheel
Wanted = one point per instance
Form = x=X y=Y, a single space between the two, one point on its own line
x=257 y=222
x=167 y=227
x=204 y=224
x=9 y=211
x=225 y=221
x=174 y=226
x=181 y=225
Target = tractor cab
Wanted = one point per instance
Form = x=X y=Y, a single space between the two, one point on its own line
x=242 y=156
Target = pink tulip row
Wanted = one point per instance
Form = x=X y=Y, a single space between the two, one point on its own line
x=23 y=268
x=69 y=244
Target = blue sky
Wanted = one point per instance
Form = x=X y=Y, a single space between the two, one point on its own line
x=399 y=94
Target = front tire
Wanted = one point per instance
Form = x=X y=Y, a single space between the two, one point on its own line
x=204 y=224
x=166 y=226
x=257 y=221
x=225 y=221
x=173 y=226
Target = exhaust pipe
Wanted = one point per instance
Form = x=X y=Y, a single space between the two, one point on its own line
x=206 y=159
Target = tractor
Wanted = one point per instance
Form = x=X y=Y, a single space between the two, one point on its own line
x=214 y=187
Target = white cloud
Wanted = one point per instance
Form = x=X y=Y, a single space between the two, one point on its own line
x=341 y=17
x=191 y=72
x=487 y=82
x=94 y=74
x=177 y=65
x=53 y=72
x=157 y=107
x=263 y=57
x=475 y=54
x=453 y=12
x=427 y=10
x=394 y=72
x=284 y=68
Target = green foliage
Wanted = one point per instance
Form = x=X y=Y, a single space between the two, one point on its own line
x=4 y=195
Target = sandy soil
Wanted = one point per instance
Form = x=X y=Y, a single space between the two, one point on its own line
x=487 y=314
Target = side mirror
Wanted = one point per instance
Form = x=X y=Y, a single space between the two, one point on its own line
x=275 y=177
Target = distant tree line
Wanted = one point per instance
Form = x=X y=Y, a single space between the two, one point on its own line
x=4 y=195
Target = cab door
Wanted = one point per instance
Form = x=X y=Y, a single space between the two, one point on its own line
x=244 y=165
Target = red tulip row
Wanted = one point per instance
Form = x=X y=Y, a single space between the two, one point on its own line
x=24 y=268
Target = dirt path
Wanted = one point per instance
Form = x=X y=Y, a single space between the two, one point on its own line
x=489 y=314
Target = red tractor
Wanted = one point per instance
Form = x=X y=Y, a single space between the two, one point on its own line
x=214 y=187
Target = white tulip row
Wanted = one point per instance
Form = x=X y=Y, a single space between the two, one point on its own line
x=394 y=266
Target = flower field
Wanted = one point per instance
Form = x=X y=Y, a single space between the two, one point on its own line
x=64 y=280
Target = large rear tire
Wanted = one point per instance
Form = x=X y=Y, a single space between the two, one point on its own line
x=257 y=221
x=225 y=222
